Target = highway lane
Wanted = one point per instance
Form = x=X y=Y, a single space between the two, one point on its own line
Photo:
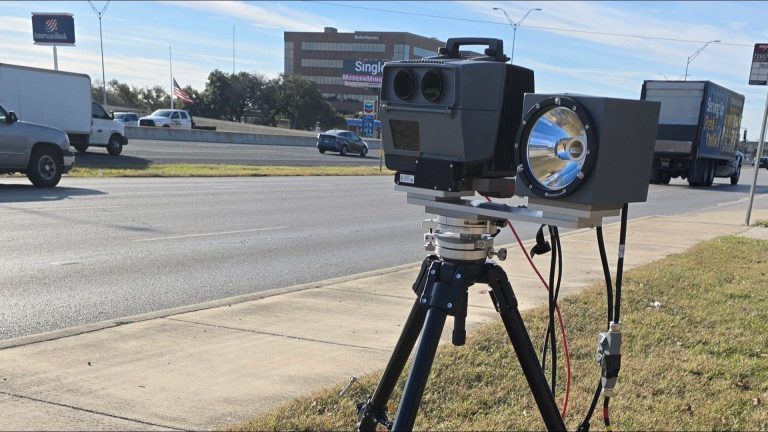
x=139 y=153
x=97 y=249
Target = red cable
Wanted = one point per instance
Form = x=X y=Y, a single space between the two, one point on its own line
x=564 y=337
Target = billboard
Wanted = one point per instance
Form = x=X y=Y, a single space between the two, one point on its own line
x=53 y=28
x=362 y=73
x=758 y=74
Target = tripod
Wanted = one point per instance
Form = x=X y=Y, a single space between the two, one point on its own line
x=462 y=247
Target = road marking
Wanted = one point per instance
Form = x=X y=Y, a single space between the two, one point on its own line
x=16 y=210
x=210 y=234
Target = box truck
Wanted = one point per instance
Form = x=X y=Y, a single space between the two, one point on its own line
x=61 y=100
x=698 y=131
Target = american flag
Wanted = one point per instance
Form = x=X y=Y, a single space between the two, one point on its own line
x=180 y=93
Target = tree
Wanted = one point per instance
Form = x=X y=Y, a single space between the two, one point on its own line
x=304 y=105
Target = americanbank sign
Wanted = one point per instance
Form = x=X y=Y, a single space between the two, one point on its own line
x=362 y=73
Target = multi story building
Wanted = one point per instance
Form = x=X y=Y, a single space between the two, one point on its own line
x=322 y=56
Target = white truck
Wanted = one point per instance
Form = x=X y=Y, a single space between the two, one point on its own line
x=61 y=100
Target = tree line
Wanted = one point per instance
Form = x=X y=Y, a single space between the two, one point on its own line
x=241 y=97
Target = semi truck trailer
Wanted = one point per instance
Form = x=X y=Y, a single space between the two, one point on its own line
x=698 y=131
x=61 y=100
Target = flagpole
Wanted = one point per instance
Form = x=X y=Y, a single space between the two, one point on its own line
x=170 y=63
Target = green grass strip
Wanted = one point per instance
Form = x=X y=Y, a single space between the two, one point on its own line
x=199 y=170
x=695 y=357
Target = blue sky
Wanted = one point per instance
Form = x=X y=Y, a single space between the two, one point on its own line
x=137 y=36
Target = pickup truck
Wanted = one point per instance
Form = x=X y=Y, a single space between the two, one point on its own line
x=40 y=152
x=170 y=118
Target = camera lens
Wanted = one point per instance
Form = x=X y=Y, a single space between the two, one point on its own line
x=432 y=85
x=405 y=84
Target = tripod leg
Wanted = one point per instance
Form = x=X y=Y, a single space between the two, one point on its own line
x=373 y=411
x=422 y=363
x=506 y=304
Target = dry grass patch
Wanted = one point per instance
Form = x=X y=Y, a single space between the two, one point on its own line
x=699 y=361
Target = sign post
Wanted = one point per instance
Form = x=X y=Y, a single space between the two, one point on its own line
x=53 y=29
x=758 y=75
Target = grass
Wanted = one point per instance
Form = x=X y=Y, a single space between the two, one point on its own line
x=698 y=360
x=199 y=170
x=762 y=223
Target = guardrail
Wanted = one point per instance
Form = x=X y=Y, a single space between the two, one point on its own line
x=207 y=136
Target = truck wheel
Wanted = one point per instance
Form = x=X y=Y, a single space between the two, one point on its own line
x=665 y=178
x=711 y=166
x=115 y=145
x=735 y=177
x=44 y=168
x=82 y=148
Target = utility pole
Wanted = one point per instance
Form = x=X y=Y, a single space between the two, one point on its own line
x=99 y=14
x=515 y=26
x=233 y=49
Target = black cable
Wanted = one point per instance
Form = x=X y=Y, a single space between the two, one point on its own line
x=620 y=264
x=606 y=272
x=606 y=418
x=609 y=297
x=584 y=426
x=549 y=337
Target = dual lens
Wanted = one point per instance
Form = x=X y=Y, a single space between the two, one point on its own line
x=431 y=85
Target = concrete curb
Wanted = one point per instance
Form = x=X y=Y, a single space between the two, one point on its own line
x=93 y=327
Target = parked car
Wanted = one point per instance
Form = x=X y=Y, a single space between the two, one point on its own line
x=341 y=141
x=170 y=118
x=40 y=152
x=763 y=162
x=128 y=118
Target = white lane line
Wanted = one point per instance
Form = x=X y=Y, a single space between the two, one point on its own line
x=209 y=234
x=41 y=209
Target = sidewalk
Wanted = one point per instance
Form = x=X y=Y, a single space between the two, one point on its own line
x=210 y=368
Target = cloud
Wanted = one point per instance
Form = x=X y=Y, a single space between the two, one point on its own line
x=274 y=17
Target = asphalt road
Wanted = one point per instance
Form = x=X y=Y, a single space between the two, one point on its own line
x=140 y=153
x=97 y=249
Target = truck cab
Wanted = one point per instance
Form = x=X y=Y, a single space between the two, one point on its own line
x=105 y=132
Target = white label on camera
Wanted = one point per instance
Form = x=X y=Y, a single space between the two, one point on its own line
x=407 y=178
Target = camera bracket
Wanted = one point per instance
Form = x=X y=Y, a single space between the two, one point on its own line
x=453 y=204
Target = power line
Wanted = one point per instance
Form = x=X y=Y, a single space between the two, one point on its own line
x=559 y=29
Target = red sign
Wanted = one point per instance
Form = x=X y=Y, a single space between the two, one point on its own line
x=758 y=74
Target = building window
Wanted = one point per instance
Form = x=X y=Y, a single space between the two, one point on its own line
x=421 y=52
x=322 y=63
x=346 y=97
x=401 y=52
x=326 y=80
x=341 y=46
x=288 y=58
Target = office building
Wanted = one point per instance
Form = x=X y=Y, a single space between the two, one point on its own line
x=327 y=59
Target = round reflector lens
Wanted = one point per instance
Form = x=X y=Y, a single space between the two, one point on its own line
x=405 y=84
x=557 y=147
x=432 y=85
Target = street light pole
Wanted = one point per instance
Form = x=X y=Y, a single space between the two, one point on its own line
x=515 y=26
x=99 y=14
x=694 y=55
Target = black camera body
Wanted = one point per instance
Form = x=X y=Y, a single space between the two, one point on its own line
x=449 y=122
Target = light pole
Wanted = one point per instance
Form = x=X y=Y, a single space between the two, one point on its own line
x=694 y=55
x=100 y=13
x=515 y=25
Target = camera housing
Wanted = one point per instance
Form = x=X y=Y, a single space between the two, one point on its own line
x=449 y=122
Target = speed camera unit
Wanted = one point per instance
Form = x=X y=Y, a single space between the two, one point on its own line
x=450 y=121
